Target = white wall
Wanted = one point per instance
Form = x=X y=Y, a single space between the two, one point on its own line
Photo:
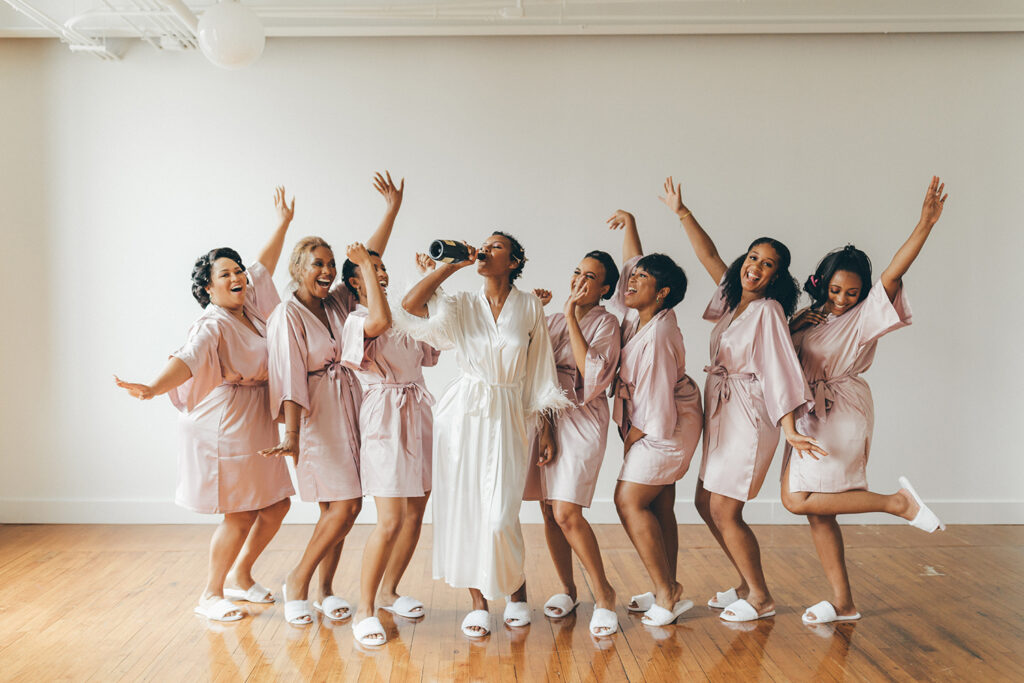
x=115 y=176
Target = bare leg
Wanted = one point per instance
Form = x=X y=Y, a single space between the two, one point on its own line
x=900 y=504
x=268 y=521
x=478 y=603
x=570 y=520
x=633 y=502
x=405 y=546
x=390 y=516
x=336 y=519
x=664 y=509
x=328 y=567
x=225 y=545
x=702 y=501
x=560 y=550
x=727 y=514
x=828 y=540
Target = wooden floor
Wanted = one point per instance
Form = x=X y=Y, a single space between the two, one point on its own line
x=109 y=603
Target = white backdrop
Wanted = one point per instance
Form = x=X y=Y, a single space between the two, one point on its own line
x=115 y=176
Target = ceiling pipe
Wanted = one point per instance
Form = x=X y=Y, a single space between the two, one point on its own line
x=187 y=16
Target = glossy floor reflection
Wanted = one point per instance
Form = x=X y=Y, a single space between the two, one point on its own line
x=134 y=589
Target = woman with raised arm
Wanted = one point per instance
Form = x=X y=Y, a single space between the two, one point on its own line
x=396 y=427
x=319 y=400
x=754 y=386
x=658 y=410
x=585 y=338
x=218 y=381
x=835 y=338
x=507 y=380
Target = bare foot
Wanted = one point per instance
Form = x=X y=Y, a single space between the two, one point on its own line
x=912 y=508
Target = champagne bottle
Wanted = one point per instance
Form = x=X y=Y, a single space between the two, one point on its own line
x=448 y=251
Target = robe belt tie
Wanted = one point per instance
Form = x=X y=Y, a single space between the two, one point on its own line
x=332 y=369
x=480 y=397
x=722 y=394
x=825 y=395
x=418 y=392
x=569 y=372
x=412 y=437
x=621 y=391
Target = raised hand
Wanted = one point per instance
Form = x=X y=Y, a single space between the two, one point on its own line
x=577 y=293
x=621 y=219
x=673 y=197
x=285 y=211
x=934 y=200
x=424 y=263
x=357 y=253
x=143 y=392
x=392 y=193
x=544 y=295
x=470 y=258
x=806 y=318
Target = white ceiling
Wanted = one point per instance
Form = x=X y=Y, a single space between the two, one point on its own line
x=91 y=24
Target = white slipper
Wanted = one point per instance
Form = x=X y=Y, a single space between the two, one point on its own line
x=825 y=613
x=659 y=616
x=606 y=619
x=723 y=600
x=404 y=607
x=517 y=614
x=332 y=604
x=217 y=611
x=296 y=612
x=368 y=627
x=744 y=611
x=561 y=602
x=255 y=594
x=643 y=602
x=478 y=618
x=926 y=520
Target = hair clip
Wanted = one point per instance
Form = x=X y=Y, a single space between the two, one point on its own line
x=814 y=280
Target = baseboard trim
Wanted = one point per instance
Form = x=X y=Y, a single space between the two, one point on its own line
x=38 y=511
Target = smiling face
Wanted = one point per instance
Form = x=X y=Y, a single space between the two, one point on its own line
x=843 y=292
x=497 y=257
x=380 y=272
x=592 y=271
x=319 y=272
x=642 y=291
x=227 y=284
x=759 y=268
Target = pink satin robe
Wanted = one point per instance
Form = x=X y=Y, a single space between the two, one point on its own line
x=753 y=381
x=395 y=419
x=305 y=367
x=582 y=430
x=833 y=355
x=225 y=410
x=654 y=394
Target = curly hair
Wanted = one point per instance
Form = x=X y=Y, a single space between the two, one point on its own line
x=518 y=253
x=201 y=271
x=849 y=258
x=348 y=269
x=666 y=273
x=611 y=271
x=300 y=255
x=783 y=287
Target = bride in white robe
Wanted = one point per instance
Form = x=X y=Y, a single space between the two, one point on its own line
x=481 y=452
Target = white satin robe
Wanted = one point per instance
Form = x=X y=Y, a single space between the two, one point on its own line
x=395 y=420
x=582 y=430
x=753 y=381
x=833 y=355
x=305 y=367
x=225 y=410
x=507 y=378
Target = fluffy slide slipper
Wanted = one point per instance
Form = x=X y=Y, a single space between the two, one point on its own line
x=723 y=600
x=926 y=520
x=478 y=618
x=296 y=612
x=370 y=632
x=332 y=604
x=255 y=593
x=559 y=605
x=641 y=603
x=604 y=622
x=517 y=614
x=407 y=607
x=824 y=613
x=659 y=616
x=217 y=610
x=743 y=611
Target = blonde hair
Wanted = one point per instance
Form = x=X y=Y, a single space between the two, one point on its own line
x=301 y=253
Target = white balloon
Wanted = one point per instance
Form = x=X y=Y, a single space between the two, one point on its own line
x=231 y=35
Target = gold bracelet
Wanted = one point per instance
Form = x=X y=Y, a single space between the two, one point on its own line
x=685 y=215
